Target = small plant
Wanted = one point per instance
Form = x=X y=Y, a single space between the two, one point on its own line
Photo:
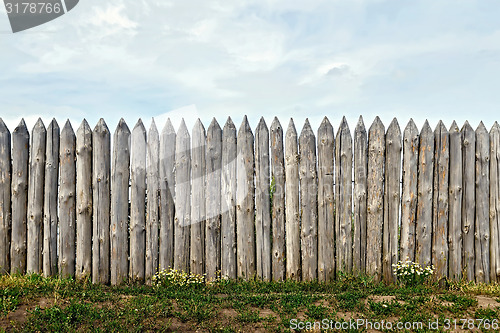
x=410 y=273
x=174 y=277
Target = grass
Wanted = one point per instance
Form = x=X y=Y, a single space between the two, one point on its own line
x=33 y=303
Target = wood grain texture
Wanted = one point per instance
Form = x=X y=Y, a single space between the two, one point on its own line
x=494 y=202
x=120 y=178
x=469 y=200
x=153 y=203
x=360 y=193
x=5 y=198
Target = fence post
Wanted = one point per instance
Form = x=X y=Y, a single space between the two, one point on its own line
x=50 y=215
x=375 y=199
x=35 y=198
x=137 y=202
x=360 y=191
x=213 y=203
x=392 y=197
x=198 y=200
x=153 y=201
x=482 y=232
x=469 y=199
x=182 y=226
x=409 y=198
x=455 y=203
x=67 y=220
x=309 y=203
x=5 y=199
x=245 y=206
x=494 y=202
x=228 y=188
x=343 y=202
x=167 y=196
x=278 y=200
x=292 y=205
x=120 y=177
x=262 y=202
x=326 y=215
x=83 y=201
x=424 y=201
x=101 y=190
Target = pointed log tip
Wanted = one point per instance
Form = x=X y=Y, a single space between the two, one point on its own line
x=67 y=126
x=276 y=123
x=291 y=127
x=262 y=124
x=229 y=124
x=441 y=126
x=214 y=125
x=168 y=128
x=182 y=126
x=140 y=126
x=198 y=126
x=53 y=123
x=39 y=124
x=481 y=127
x=152 y=127
x=426 y=127
x=361 y=122
x=377 y=125
x=411 y=126
x=307 y=127
x=3 y=127
x=453 y=124
x=245 y=125
x=122 y=126
x=394 y=126
x=325 y=122
x=101 y=126
x=84 y=126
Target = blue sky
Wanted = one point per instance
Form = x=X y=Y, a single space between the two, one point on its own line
x=144 y=58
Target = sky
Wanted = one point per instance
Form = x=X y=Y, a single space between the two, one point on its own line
x=218 y=58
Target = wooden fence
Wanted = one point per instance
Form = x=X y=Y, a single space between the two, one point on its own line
x=275 y=205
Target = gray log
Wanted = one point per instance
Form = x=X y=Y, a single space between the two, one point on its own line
x=245 y=205
x=292 y=213
x=409 y=198
x=67 y=205
x=50 y=216
x=34 y=261
x=20 y=161
x=5 y=199
x=213 y=203
x=182 y=221
x=198 y=200
x=83 y=201
x=326 y=214
x=343 y=202
x=138 y=150
x=278 y=200
x=120 y=177
x=262 y=202
x=309 y=203
x=469 y=200
x=360 y=191
x=423 y=225
x=455 y=204
x=375 y=199
x=494 y=201
x=167 y=196
x=153 y=202
x=228 y=202
x=440 y=200
x=392 y=197
x=101 y=191
x=482 y=233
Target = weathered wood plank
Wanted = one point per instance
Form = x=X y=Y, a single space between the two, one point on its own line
x=375 y=199
x=409 y=197
x=440 y=201
x=245 y=204
x=360 y=191
x=308 y=203
x=34 y=261
x=343 y=210
x=153 y=202
x=392 y=197
x=278 y=200
x=167 y=196
x=20 y=162
x=228 y=201
x=424 y=197
x=262 y=202
x=83 y=201
x=50 y=215
x=5 y=199
x=326 y=215
x=198 y=199
x=469 y=200
x=494 y=202
x=455 y=204
x=120 y=177
x=213 y=203
x=101 y=161
x=137 y=202
x=292 y=205
x=182 y=226
x=67 y=205
x=482 y=232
